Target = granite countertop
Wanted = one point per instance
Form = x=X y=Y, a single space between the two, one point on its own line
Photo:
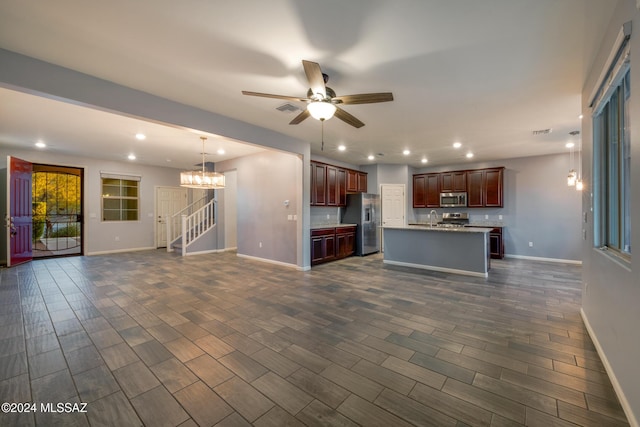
x=318 y=226
x=427 y=227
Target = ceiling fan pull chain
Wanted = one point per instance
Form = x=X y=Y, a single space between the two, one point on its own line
x=322 y=145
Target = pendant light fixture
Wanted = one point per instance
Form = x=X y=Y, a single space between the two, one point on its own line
x=202 y=179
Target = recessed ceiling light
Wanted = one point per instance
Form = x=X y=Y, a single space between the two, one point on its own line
x=131 y=156
x=141 y=136
x=424 y=160
x=570 y=145
x=40 y=144
x=457 y=144
x=406 y=152
x=221 y=151
x=469 y=155
x=371 y=157
x=341 y=147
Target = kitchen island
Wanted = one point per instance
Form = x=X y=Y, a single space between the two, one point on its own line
x=459 y=250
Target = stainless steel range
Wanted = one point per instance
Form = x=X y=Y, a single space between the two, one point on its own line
x=454 y=219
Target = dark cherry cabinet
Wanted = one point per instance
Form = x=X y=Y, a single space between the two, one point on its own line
x=330 y=184
x=475 y=192
x=329 y=244
x=432 y=183
x=419 y=191
x=345 y=241
x=333 y=191
x=323 y=245
x=453 y=182
x=496 y=243
x=426 y=190
x=362 y=182
x=493 y=192
x=484 y=187
x=342 y=187
x=318 y=184
x=356 y=181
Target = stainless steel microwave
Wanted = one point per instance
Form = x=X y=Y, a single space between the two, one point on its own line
x=453 y=200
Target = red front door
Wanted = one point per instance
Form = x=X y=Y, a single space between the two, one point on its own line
x=20 y=211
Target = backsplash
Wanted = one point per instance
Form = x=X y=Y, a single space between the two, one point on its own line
x=324 y=215
x=494 y=218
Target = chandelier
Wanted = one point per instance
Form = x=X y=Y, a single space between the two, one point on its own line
x=201 y=178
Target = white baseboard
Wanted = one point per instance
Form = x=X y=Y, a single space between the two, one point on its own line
x=433 y=268
x=118 y=251
x=271 y=261
x=535 y=258
x=626 y=407
x=210 y=251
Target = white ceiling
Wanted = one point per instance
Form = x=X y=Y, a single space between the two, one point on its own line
x=486 y=73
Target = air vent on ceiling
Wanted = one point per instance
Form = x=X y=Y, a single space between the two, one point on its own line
x=542 y=132
x=288 y=108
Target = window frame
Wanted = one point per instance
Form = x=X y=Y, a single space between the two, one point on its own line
x=122 y=184
x=611 y=166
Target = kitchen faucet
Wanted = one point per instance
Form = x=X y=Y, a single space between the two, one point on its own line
x=431 y=215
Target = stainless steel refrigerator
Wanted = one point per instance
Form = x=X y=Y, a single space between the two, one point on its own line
x=364 y=210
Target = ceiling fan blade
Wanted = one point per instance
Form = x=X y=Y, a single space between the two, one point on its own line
x=314 y=75
x=348 y=118
x=364 y=98
x=300 y=117
x=269 y=95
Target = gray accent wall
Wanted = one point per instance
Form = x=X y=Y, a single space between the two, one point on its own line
x=611 y=288
x=264 y=182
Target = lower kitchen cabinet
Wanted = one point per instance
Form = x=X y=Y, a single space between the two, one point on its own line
x=332 y=243
x=496 y=243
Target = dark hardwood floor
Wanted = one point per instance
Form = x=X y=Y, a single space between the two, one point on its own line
x=149 y=338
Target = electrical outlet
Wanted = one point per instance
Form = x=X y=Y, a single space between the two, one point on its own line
x=117 y=238
x=500 y=217
x=486 y=217
x=328 y=216
x=260 y=244
x=530 y=244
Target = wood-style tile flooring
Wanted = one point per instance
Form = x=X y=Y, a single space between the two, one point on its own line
x=149 y=338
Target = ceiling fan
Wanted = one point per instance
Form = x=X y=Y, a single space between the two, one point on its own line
x=322 y=102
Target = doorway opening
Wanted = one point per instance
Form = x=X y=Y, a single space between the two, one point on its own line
x=57 y=211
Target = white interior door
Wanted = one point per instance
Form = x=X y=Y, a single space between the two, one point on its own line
x=169 y=200
x=393 y=207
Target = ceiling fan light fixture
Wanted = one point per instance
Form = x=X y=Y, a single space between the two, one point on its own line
x=321 y=110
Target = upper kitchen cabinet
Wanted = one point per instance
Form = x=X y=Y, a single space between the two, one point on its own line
x=426 y=190
x=419 y=191
x=484 y=188
x=330 y=184
x=318 y=184
x=356 y=181
x=453 y=182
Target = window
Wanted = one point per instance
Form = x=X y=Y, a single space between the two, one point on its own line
x=120 y=197
x=612 y=160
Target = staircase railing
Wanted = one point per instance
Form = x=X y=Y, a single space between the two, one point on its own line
x=196 y=224
x=174 y=222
